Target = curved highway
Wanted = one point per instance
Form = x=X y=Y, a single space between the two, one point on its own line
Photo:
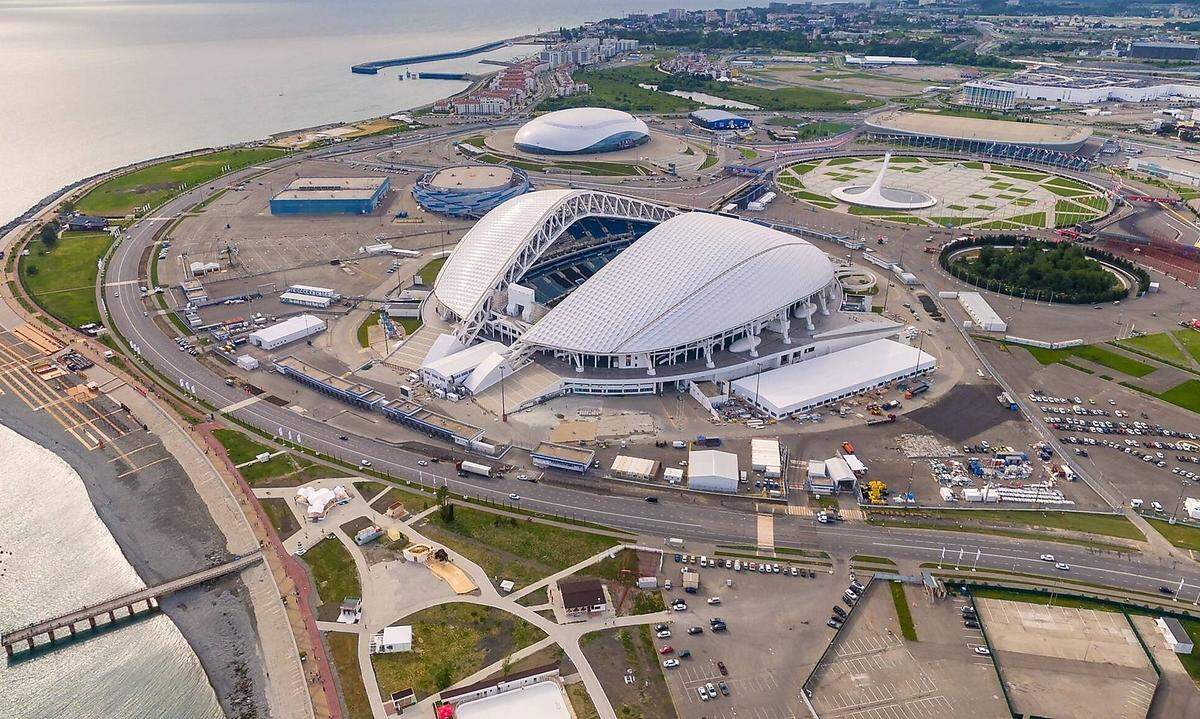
x=126 y=313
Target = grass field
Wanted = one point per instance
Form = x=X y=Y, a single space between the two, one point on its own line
x=280 y=516
x=333 y=574
x=1108 y=525
x=157 y=183
x=451 y=642
x=1092 y=353
x=509 y=548
x=903 y=613
x=1186 y=395
x=618 y=89
x=364 y=330
x=284 y=470
x=343 y=649
x=1181 y=535
x=1190 y=339
x=1159 y=345
x=63 y=280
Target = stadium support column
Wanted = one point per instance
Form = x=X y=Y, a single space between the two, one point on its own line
x=577 y=359
x=824 y=302
x=649 y=364
x=785 y=327
x=708 y=360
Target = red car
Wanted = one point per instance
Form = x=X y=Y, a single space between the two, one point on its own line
x=667 y=649
x=722 y=669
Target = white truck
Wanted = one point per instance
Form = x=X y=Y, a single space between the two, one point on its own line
x=474 y=468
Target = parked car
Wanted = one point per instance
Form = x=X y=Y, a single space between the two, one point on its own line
x=970 y=624
x=833 y=623
x=671 y=663
x=721 y=668
x=695 y=630
x=714 y=600
x=724 y=688
x=663 y=634
x=983 y=650
x=667 y=649
x=702 y=692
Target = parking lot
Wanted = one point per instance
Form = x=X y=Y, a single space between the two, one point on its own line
x=871 y=672
x=776 y=632
x=1068 y=662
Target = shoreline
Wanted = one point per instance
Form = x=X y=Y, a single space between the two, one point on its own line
x=164 y=530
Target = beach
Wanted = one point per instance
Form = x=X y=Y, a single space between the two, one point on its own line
x=164 y=530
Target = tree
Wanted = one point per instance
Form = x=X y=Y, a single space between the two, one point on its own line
x=446 y=506
x=32 y=270
x=49 y=234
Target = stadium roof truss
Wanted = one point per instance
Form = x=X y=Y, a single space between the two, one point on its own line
x=502 y=246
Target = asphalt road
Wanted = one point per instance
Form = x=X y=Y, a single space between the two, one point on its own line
x=669 y=517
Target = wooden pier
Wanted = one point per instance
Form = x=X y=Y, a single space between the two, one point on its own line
x=120 y=607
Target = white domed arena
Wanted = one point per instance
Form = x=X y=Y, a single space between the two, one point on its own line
x=615 y=295
x=581 y=130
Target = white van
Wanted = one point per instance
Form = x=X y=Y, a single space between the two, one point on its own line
x=1135 y=504
x=703 y=561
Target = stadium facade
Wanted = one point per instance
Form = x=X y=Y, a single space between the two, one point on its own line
x=616 y=295
x=1082 y=88
x=714 y=119
x=581 y=130
x=469 y=190
x=331 y=196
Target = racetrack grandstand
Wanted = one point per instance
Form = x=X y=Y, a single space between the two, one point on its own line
x=621 y=296
x=1030 y=141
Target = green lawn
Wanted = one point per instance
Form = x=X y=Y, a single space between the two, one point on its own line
x=450 y=643
x=157 y=183
x=343 y=649
x=333 y=574
x=903 y=613
x=1109 y=525
x=1186 y=395
x=280 y=516
x=510 y=548
x=1158 y=345
x=284 y=470
x=364 y=329
x=63 y=280
x=1092 y=353
x=868 y=559
x=431 y=269
x=1190 y=339
x=1181 y=535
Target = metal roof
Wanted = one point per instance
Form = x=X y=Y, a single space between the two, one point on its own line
x=485 y=251
x=577 y=128
x=689 y=278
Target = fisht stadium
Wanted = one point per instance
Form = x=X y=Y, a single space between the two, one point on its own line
x=616 y=295
x=581 y=130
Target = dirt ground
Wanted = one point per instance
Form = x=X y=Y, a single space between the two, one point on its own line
x=1068 y=662
x=627 y=664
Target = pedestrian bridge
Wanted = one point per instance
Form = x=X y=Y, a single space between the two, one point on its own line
x=150 y=596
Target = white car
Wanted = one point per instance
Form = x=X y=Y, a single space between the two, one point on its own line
x=714 y=600
x=1156 y=507
x=983 y=650
x=1135 y=504
x=663 y=634
x=1063 y=566
x=422 y=463
x=522 y=477
x=702 y=693
x=364 y=462
x=671 y=663
x=1047 y=557
x=515 y=497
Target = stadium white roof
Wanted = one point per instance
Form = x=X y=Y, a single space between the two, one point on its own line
x=489 y=247
x=689 y=278
x=577 y=128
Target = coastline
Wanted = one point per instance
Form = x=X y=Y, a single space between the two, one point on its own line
x=164 y=530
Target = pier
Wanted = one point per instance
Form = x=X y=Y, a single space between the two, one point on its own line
x=373 y=67
x=127 y=605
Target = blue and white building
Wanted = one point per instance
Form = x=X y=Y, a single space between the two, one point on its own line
x=469 y=190
x=581 y=130
x=331 y=196
x=716 y=119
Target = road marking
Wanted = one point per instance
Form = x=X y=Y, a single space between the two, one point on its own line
x=144 y=466
x=766 y=532
x=238 y=405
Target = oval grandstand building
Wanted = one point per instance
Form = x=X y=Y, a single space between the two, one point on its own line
x=969 y=133
x=469 y=190
x=620 y=296
x=581 y=130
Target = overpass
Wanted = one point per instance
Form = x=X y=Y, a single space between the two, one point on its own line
x=150 y=596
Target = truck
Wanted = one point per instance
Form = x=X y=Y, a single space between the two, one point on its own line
x=916 y=390
x=888 y=419
x=708 y=441
x=473 y=468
